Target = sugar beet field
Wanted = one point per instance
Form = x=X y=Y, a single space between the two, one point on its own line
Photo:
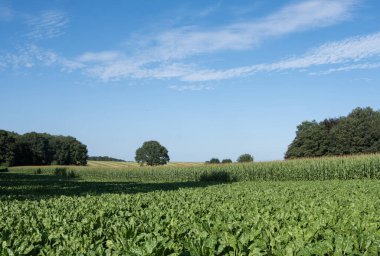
x=325 y=206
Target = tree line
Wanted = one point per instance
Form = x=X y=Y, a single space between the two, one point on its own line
x=244 y=158
x=40 y=149
x=357 y=133
x=105 y=158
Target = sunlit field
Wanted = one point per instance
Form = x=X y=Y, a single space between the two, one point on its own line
x=320 y=206
x=112 y=164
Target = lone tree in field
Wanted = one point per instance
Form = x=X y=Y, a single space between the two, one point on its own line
x=226 y=161
x=152 y=153
x=245 y=158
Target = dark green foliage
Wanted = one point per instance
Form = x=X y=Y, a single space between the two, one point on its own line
x=311 y=140
x=105 y=158
x=3 y=169
x=214 y=161
x=63 y=172
x=226 y=161
x=215 y=176
x=38 y=144
x=245 y=158
x=357 y=133
x=7 y=148
x=197 y=218
x=40 y=149
x=38 y=171
x=152 y=153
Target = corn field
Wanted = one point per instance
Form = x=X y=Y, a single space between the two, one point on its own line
x=328 y=168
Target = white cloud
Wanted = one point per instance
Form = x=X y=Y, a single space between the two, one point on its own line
x=161 y=56
x=49 y=24
x=157 y=53
x=184 y=42
x=104 y=56
x=192 y=87
x=70 y=65
x=29 y=56
x=348 y=68
x=350 y=50
x=125 y=68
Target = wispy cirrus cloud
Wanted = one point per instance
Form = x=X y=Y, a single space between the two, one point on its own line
x=31 y=55
x=28 y=57
x=347 y=52
x=184 y=42
x=48 y=24
x=105 y=56
x=348 y=68
x=350 y=50
x=172 y=54
x=360 y=52
x=163 y=49
x=192 y=87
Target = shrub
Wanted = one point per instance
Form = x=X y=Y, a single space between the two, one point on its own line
x=226 y=161
x=245 y=158
x=63 y=172
x=214 y=161
x=38 y=171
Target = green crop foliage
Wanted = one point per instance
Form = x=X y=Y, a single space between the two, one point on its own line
x=245 y=218
x=326 y=206
x=328 y=168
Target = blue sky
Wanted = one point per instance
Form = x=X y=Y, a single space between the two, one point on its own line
x=204 y=78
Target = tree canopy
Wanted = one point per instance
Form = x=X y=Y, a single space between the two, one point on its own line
x=214 y=160
x=152 y=153
x=357 y=133
x=245 y=158
x=226 y=161
x=40 y=149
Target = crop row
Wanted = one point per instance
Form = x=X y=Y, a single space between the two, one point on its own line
x=245 y=218
x=342 y=168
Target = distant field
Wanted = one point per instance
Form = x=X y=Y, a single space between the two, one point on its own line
x=327 y=168
x=112 y=164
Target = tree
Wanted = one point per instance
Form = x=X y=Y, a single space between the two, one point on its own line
x=68 y=150
x=245 y=158
x=105 y=158
x=39 y=146
x=40 y=149
x=226 y=161
x=357 y=133
x=311 y=140
x=7 y=148
x=152 y=153
x=214 y=161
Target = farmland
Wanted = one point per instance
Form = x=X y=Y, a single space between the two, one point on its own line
x=327 y=168
x=299 y=207
x=114 y=164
